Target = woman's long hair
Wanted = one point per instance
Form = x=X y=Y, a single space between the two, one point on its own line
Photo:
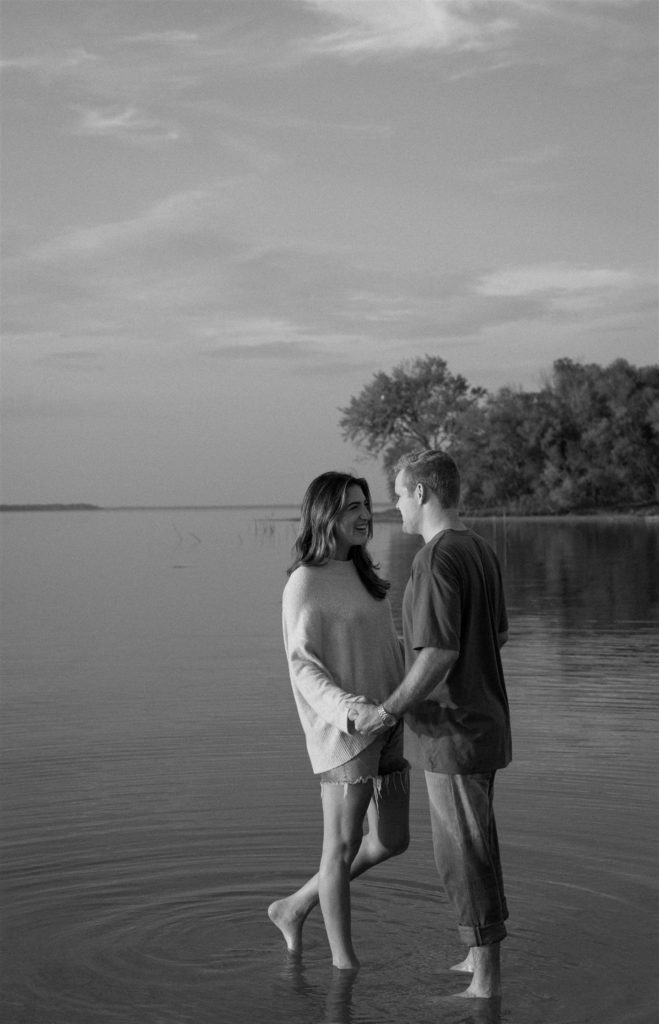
x=323 y=503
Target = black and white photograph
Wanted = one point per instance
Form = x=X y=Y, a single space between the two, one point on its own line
x=329 y=512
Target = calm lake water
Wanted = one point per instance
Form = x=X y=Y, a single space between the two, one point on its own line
x=156 y=793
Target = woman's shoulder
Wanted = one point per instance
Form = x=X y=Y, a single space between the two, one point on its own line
x=304 y=578
x=305 y=591
x=330 y=578
x=305 y=572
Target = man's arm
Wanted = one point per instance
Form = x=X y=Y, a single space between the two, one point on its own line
x=426 y=675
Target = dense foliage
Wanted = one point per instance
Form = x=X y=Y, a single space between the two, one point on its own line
x=589 y=438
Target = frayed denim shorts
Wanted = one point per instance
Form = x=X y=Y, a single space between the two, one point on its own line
x=384 y=756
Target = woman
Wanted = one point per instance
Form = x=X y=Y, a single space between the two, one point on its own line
x=340 y=642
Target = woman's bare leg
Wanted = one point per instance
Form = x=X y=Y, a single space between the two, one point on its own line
x=344 y=808
x=388 y=836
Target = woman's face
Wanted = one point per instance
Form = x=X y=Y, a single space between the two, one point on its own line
x=352 y=525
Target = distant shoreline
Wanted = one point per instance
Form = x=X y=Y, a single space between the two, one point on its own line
x=50 y=508
x=649 y=510
x=129 y=508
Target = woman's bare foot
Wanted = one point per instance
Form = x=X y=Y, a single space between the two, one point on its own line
x=467 y=965
x=289 y=923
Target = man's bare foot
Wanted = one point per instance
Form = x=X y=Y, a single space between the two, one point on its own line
x=289 y=923
x=486 y=982
x=479 y=993
x=467 y=965
x=351 y=964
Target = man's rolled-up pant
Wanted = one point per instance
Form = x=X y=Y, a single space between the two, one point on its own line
x=466 y=851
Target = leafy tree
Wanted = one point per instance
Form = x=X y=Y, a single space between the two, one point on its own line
x=418 y=405
x=499 y=451
x=589 y=438
x=601 y=442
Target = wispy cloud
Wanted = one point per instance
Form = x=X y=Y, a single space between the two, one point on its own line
x=593 y=299
x=265 y=350
x=84 y=361
x=171 y=38
x=129 y=124
x=176 y=273
x=51 y=65
x=555 y=278
x=498 y=35
x=377 y=27
x=158 y=275
x=182 y=212
x=530 y=171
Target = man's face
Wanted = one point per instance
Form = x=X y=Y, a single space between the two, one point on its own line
x=407 y=504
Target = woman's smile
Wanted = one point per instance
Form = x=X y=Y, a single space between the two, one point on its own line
x=353 y=526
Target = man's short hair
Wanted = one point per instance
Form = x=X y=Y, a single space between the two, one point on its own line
x=436 y=470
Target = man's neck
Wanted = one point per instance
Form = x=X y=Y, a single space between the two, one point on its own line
x=439 y=520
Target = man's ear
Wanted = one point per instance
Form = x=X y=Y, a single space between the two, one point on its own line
x=421 y=493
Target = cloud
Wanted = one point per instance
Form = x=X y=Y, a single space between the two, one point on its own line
x=180 y=278
x=523 y=172
x=589 y=40
x=554 y=278
x=121 y=70
x=129 y=124
x=265 y=350
x=172 y=38
x=181 y=213
x=85 y=361
x=51 y=65
x=157 y=277
x=377 y=27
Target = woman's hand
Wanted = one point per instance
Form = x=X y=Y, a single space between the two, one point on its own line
x=364 y=714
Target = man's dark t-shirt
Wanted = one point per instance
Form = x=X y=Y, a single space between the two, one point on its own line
x=454 y=601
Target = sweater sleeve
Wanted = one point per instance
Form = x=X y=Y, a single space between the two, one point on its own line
x=303 y=638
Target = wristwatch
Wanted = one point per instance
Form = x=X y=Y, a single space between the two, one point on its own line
x=386 y=718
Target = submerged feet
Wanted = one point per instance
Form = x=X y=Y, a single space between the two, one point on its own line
x=486 y=967
x=349 y=963
x=480 y=992
x=290 y=922
x=482 y=961
x=467 y=965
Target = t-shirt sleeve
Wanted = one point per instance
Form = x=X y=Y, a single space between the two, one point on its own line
x=436 y=605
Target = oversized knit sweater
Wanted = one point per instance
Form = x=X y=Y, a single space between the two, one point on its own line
x=339 y=642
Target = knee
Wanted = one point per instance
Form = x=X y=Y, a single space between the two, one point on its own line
x=341 y=850
x=385 y=847
x=402 y=843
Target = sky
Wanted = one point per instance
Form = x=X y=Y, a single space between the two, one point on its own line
x=221 y=219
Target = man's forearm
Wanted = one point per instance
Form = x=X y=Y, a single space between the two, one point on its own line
x=427 y=674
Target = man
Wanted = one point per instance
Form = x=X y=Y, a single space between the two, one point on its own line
x=454 y=700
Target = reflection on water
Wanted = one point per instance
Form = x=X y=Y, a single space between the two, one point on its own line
x=569 y=573
x=157 y=795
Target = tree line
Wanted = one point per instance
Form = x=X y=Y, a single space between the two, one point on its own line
x=587 y=439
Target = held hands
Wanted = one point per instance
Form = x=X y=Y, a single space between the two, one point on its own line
x=364 y=716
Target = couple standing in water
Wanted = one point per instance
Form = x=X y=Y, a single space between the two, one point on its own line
x=353 y=686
